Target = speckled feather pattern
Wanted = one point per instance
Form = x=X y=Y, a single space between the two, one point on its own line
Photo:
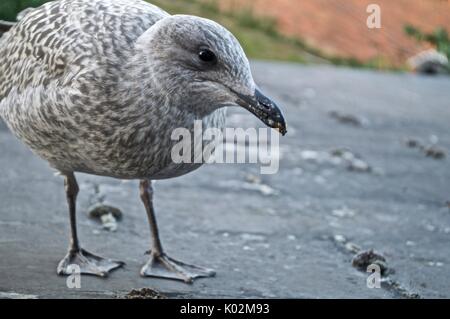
x=97 y=86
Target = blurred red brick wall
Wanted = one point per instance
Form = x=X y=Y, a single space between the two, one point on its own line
x=338 y=27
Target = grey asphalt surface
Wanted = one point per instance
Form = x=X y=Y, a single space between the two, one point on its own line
x=292 y=234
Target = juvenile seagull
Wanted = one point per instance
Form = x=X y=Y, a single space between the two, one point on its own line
x=98 y=86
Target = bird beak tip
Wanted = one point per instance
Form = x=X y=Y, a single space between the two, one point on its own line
x=282 y=129
x=265 y=109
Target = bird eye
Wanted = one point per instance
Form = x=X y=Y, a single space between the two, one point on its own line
x=207 y=55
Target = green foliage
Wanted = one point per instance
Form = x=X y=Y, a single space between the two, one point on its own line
x=210 y=6
x=10 y=8
x=439 y=38
x=259 y=36
x=247 y=19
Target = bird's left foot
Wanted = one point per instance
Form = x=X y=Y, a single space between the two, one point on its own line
x=162 y=266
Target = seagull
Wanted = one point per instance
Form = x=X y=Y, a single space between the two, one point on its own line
x=98 y=86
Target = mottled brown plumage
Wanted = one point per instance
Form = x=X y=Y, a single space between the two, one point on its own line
x=98 y=86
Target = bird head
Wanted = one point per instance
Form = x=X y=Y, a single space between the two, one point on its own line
x=200 y=65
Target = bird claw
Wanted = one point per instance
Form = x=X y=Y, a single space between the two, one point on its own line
x=162 y=266
x=88 y=264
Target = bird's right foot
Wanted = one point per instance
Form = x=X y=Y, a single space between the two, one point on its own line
x=163 y=266
x=84 y=262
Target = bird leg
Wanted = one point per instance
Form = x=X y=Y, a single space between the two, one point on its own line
x=160 y=265
x=78 y=258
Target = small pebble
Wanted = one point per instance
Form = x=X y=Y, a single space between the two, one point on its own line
x=109 y=222
x=99 y=209
x=343 y=212
x=359 y=166
x=254 y=179
x=364 y=259
x=434 y=139
x=262 y=188
x=412 y=143
x=346 y=118
x=309 y=155
x=340 y=238
x=144 y=293
x=410 y=243
x=435 y=264
x=434 y=152
x=252 y=237
x=348 y=156
x=291 y=237
x=267 y=190
x=352 y=247
x=334 y=160
x=107 y=215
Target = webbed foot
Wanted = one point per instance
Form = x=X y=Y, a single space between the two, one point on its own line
x=163 y=266
x=88 y=264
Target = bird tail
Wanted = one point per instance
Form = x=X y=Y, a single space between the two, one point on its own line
x=4 y=27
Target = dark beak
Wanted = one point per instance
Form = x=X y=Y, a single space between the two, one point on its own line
x=263 y=108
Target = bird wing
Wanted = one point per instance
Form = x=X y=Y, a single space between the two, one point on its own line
x=62 y=40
